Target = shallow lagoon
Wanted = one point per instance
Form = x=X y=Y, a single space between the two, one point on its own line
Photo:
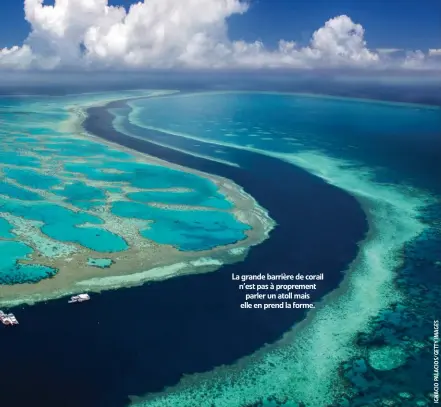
x=13 y=273
x=192 y=198
x=5 y=229
x=188 y=230
x=57 y=186
x=32 y=179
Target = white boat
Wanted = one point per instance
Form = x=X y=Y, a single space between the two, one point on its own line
x=79 y=298
x=8 y=319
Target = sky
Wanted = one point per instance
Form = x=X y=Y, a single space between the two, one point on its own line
x=217 y=34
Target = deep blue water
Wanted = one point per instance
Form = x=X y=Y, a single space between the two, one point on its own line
x=399 y=143
x=138 y=340
x=391 y=146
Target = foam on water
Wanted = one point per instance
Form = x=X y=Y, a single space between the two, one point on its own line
x=303 y=366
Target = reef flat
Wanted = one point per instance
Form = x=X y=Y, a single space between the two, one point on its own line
x=78 y=213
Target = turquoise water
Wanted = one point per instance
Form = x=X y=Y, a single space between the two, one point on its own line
x=18 y=193
x=141 y=175
x=12 y=272
x=5 y=229
x=193 y=198
x=32 y=179
x=79 y=193
x=284 y=124
x=18 y=160
x=82 y=149
x=77 y=174
x=197 y=230
x=385 y=154
x=63 y=225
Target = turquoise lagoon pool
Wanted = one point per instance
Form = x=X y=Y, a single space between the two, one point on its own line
x=66 y=188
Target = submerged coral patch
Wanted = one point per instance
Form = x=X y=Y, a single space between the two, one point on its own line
x=59 y=185
x=387 y=357
x=12 y=272
x=80 y=194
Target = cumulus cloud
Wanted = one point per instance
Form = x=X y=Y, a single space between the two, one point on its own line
x=415 y=59
x=16 y=57
x=176 y=34
x=435 y=52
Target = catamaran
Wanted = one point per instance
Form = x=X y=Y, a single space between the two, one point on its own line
x=8 y=319
x=79 y=298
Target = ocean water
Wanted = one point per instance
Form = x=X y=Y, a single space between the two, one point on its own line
x=134 y=341
x=390 y=138
x=384 y=154
x=61 y=182
x=304 y=223
x=189 y=335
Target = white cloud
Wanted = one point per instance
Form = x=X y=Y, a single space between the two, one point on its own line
x=177 y=34
x=414 y=59
x=388 y=50
x=435 y=52
x=340 y=41
x=16 y=57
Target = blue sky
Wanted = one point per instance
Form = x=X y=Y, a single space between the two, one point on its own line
x=409 y=24
x=183 y=34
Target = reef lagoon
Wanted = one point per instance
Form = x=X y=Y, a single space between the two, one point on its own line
x=71 y=203
x=279 y=183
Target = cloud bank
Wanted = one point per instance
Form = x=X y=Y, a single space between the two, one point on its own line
x=190 y=34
